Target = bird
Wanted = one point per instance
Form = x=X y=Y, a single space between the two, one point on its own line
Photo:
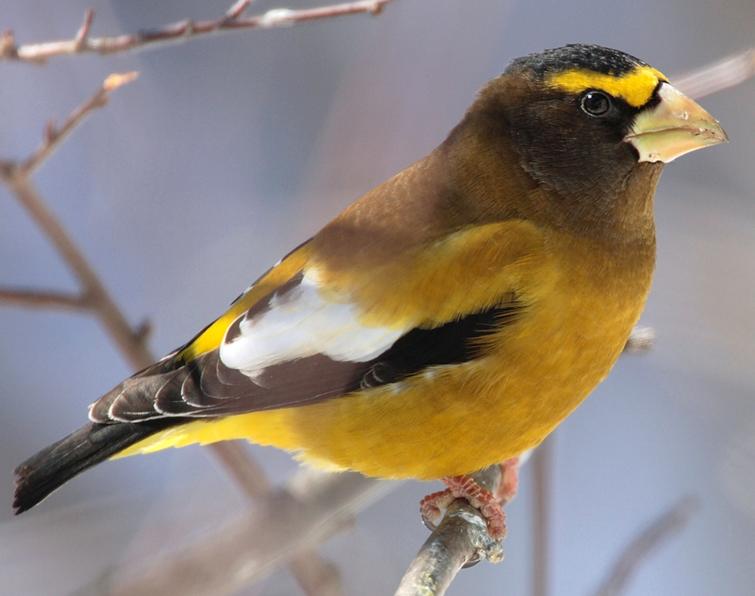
x=450 y=318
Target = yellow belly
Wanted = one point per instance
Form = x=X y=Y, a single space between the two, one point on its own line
x=457 y=420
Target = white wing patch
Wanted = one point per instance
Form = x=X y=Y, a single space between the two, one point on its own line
x=301 y=323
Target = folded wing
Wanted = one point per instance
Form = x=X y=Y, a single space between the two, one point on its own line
x=292 y=348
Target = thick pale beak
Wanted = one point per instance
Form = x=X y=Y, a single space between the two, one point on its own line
x=677 y=125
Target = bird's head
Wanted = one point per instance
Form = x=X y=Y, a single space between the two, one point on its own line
x=583 y=117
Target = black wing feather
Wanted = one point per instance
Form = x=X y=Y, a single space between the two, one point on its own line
x=42 y=473
x=205 y=387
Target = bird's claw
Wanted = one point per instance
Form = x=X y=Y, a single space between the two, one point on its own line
x=435 y=505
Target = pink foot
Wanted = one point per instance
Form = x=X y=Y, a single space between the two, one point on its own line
x=433 y=507
x=509 y=484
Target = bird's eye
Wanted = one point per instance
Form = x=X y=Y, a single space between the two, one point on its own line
x=596 y=103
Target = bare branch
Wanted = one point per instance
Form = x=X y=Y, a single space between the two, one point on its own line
x=312 y=508
x=246 y=472
x=102 y=304
x=53 y=136
x=723 y=74
x=312 y=573
x=542 y=477
x=461 y=539
x=8 y=48
x=641 y=547
x=144 y=330
x=81 y=39
x=44 y=299
x=315 y=575
x=232 y=20
x=235 y=11
x=640 y=340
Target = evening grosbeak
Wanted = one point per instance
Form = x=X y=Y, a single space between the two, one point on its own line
x=450 y=318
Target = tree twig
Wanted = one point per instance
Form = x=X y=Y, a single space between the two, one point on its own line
x=315 y=575
x=718 y=76
x=232 y=20
x=44 y=299
x=54 y=136
x=312 y=508
x=640 y=340
x=94 y=298
x=641 y=547
x=542 y=476
x=460 y=539
x=17 y=179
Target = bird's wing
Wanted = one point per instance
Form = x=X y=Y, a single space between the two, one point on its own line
x=303 y=334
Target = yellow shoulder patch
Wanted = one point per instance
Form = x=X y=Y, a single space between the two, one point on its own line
x=213 y=335
x=635 y=87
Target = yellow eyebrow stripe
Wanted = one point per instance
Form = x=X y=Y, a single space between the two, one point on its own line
x=635 y=87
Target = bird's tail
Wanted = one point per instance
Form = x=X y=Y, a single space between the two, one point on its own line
x=44 y=472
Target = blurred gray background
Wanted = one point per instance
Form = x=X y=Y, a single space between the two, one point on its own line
x=229 y=151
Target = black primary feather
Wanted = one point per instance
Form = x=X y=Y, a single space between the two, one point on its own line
x=44 y=472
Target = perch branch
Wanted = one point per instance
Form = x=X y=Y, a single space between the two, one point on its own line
x=181 y=31
x=309 y=569
x=641 y=547
x=460 y=540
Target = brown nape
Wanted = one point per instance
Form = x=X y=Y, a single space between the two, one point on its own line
x=575 y=172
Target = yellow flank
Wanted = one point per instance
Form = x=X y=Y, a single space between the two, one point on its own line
x=210 y=338
x=581 y=299
x=635 y=87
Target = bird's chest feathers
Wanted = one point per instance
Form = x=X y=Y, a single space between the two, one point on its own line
x=598 y=297
x=572 y=334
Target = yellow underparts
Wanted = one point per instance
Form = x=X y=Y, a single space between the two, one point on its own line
x=635 y=87
x=456 y=419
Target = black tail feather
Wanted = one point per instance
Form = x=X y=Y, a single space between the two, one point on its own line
x=44 y=472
